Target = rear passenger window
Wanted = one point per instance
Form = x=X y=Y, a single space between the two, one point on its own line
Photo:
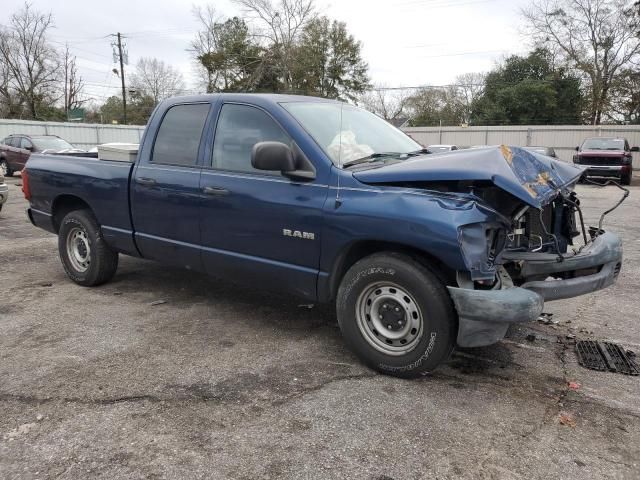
x=179 y=135
x=239 y=128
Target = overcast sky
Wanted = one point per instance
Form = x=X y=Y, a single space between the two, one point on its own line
x=405 y=42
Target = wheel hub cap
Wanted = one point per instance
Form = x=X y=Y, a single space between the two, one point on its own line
x=78 y=249
x=389 y=318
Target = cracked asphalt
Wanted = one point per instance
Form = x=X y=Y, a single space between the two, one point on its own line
x=164 y=373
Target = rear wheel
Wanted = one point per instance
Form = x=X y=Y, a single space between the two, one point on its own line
x=4 y=168
x=396 y=315
x=85 y=256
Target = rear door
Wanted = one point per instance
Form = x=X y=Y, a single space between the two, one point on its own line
x=13 y=153
x=26 y=147
x=258 y=227
x=165 y=190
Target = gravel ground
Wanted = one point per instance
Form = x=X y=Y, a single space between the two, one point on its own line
x=225 y=382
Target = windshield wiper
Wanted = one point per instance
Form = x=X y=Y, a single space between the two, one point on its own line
x=370 y=158
x=422 y=151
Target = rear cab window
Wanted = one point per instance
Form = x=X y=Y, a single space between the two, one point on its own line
x=178 y=139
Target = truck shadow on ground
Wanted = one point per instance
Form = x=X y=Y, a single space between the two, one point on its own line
x=181 y=289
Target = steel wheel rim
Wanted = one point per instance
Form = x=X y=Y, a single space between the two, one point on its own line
x=79 y=249
x=389 y=318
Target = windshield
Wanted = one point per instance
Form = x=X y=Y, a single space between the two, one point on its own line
x=51 y=143
x=348 y=133
x=603 y=144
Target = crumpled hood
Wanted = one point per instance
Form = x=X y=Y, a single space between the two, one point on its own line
x=533 y=178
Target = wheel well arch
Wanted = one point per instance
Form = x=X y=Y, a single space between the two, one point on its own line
x=63 y=204
x=361 y=249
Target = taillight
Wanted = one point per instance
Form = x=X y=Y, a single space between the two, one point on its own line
x=25 y=184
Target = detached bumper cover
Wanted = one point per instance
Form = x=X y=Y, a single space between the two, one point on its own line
x=485 y=315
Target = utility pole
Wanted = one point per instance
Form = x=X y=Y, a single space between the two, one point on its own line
x=122 y=62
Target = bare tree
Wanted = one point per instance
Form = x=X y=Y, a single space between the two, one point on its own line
x=155 y=79
x=206 y=42
x=388 y=103
x=469 y=87
x=73 y=84
x=595 y=37
x=10 y=100
x=281 y=24
x=32 y=64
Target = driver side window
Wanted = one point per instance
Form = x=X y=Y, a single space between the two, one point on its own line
x=239 y=128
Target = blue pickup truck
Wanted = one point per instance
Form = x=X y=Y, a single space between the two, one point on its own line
x=327 y=202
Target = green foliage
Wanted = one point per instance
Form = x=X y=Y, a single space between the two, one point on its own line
x=432 y=107
x=625 y=98
x=232 y=63
x=328 y=62
x=529 y=90
x=139 y=108
x=322 y=60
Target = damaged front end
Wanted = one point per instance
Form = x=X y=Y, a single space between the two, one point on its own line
x=547 y=254
x=538 y=248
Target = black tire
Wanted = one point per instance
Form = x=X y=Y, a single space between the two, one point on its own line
x=626 y=179
x=417 y=291
x=4 y=166
x=79 y=231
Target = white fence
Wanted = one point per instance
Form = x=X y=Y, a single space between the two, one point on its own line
x=563 y=138
x=82 y=135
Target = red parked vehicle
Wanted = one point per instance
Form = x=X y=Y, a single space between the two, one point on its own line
x=606 y=157
x=16 y=149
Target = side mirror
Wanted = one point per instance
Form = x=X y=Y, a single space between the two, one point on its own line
x=276 y=156
x=635 y=149
x=577 y=149
x=29 y=147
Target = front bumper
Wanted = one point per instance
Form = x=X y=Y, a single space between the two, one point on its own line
x=607 y=170
x=485 y=315
x=4 y=192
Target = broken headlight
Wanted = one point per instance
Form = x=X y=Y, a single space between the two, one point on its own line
x=480 y=244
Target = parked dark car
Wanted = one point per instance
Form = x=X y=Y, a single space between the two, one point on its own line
x=328 y=202
x=548 y=151
x=606 y=157
x=16 y=149
x=4 y=191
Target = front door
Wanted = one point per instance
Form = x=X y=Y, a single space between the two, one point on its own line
x=258 y=227
x=165 y=190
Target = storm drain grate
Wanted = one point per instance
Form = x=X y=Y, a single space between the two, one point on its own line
x=605 y=356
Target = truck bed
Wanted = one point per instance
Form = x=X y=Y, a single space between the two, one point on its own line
x=101 y=184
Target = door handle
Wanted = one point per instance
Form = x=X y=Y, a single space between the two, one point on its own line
x=215 y=191
x=145 y=181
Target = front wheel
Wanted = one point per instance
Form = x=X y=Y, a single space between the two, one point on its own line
x=85 y=256
x=396 y=315
x=625 y=179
